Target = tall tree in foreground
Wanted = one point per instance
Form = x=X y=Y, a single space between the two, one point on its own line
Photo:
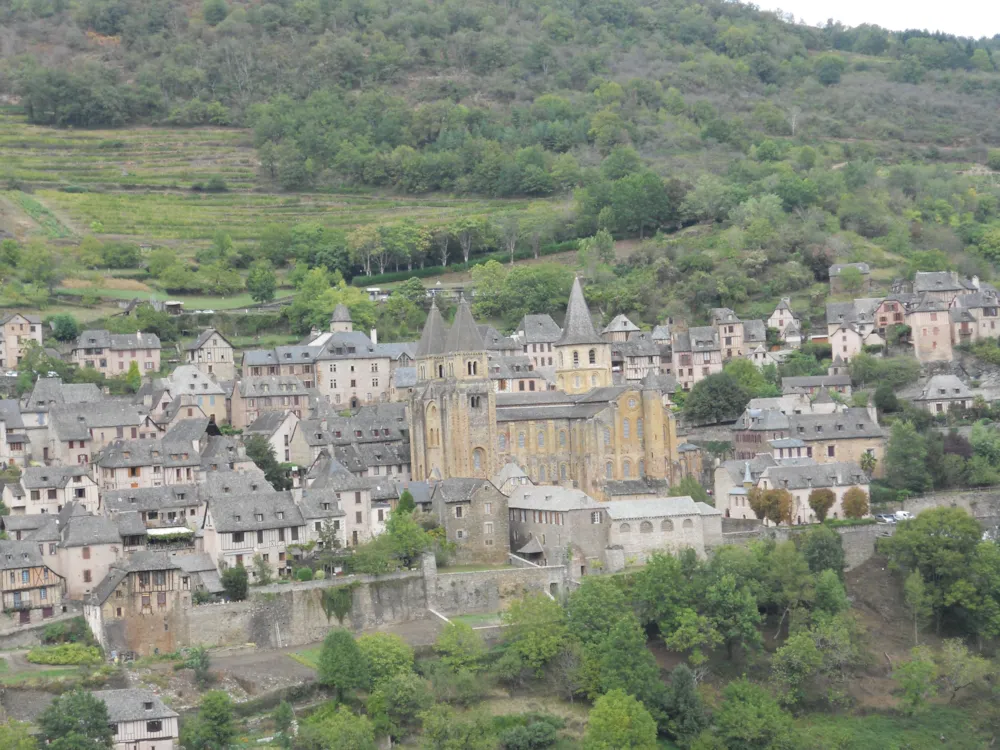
x=619 y=722
x=76 y=721
x=341 y=666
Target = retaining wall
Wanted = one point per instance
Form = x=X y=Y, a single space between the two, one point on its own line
x=858 y=541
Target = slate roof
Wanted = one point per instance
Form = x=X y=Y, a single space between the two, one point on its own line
x=259 y=358
x=19 y=555
x=837 y=474
x=509 y=470
x=697 y=339
x=644 y=486
x=578 y=327
x=761 y=419
x=659 y=507
x=620 y=324
x=640 y=345
x=133 y=453
x=267 y=423
x=53 y=391
x=151 y=498
x=861 y=310
x=495 y=342
x=539 y=329
x=938 y=281
x=458 y=489
x=130 y=705
x=272 y=385
x=186 y=432
x=226 y=483
x=41 y=477
x=813 y=381
x=754 y=331
x=341 y=314
x=204 y=337
x=86 y=530
x=103 y=339
x=724 y=315
x=516 y=366
x=838 y=268
x=75 y=421
x=319 y=503
x=661 y=333
x=464 y=335
x=784 y=304
x=435 y=333
x=850 y=423
x=405 y=377
x=552 y=497
x=239 y=512
x=942 y=387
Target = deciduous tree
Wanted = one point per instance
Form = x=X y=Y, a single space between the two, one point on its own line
x=342 y=667
x=619 y=722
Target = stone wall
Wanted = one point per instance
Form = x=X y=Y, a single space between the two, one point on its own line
x=490 y=590
x=858 y=541
x=983 y=503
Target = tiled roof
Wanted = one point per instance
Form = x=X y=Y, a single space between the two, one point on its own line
x=103 y=339
x=254 y=511
x=659 y=507
x=130 y=705
x=551 y=497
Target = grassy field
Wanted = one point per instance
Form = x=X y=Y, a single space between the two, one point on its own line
x=478 y=620
x=153 y=216
x=308 y=656
x=938 y=727
x=142 y=157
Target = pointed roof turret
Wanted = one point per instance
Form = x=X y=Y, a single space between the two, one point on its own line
x=432 y=339
x=341 y=314
x=650 y=382
x=464 y=335
x=578 y=328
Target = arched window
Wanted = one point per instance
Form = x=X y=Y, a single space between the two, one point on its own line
x=541 y=439
x=520 y=440
x=688 y=523
x=475 y=368
x=576 y=358
x=541 y=473
x=626 y=470
x=592 y=356
x=645 y=527
x=562 y=438
x=626 y=429
x=561 y=362
x=474 y=402
x=477 y=459
x=638 y=428
x=562 y=471
x=502 y=442
x=593 y=380
x=667 y=526
x=642 y=468
x=441 y=371
x=609 y=470
x=607 y=436
x=625 y=528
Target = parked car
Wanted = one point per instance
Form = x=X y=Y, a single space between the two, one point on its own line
x=885 y=518
x=903 y=515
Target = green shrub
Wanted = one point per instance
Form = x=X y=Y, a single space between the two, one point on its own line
x=68 y=631
x=304 y=574
x=66 y=653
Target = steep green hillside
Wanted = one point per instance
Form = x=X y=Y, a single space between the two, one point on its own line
x=777 y=148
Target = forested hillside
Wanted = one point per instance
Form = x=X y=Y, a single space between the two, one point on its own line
x=777 y=148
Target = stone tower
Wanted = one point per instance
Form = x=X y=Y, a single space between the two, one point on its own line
x=340 y=321
x=453 y=407
x=660 y=438
x=583 y=358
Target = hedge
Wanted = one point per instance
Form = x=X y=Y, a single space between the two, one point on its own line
x=66 y=653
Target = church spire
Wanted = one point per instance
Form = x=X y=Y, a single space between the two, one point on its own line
x=464 y=335
x=432 y=339
x=578 y=328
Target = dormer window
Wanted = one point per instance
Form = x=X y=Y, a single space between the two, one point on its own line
x=281 y=515
x=258 y=516
x=148 y=705
x=326 y=506
x=237 y=518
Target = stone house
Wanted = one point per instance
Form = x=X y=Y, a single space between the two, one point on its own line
x=30 y=590
x=212 y=354
x=800 y=481
x=19 y=329
x=353 y=496
x=46 y=394
x=402 y=380
x=813 y=384
x=46 y=489
x=516 y=374
x=323 y=513
x=189 y=386
x=667 y=524
x=135 y=464
x=537 y=334
x=860 y=312
x=619 y=329
x=942 y=286
x=941 y=393
x=473 y=514
x=254 y=396
x=844 y=436
x=140 y=720
x=696 y=355
x=782 y=316
x=546 y=521
x=277 y=428
x=729 y=328
x=112 y=354
x=930 y=330
x=76 y=431
x=510 y=478
x=238 y=528
x=88 y=546
x=633 y=359
x=836 y=280
x=166 y=507
x=14 y=444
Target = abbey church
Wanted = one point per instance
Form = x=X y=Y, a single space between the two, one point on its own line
x=587 y=433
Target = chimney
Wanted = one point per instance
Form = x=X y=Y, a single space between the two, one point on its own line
x=975 y=283
x=314 y=332
x=138 y=336
x=374 y=336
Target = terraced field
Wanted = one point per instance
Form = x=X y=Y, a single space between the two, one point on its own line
x=149 y=216
x=142 y=157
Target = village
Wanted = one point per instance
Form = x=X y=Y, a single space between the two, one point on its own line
x=541 y=458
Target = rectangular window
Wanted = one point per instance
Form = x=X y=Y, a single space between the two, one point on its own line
x=295 y=533
x=488 y=527
x=86 y=553
x=357 y=517
x=161 y=599
x=458 y=511
x=86 y=576
x=154 y=726
x=260 y=537
x=237 y=537
x=488 y=509
x=829 y=450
